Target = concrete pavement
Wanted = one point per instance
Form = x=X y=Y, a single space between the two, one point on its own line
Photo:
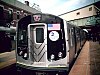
x=7 y=59
x=86 y=63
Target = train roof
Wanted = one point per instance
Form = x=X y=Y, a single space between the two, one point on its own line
x=41 y=18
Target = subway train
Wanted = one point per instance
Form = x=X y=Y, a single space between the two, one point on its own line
x=47 y=44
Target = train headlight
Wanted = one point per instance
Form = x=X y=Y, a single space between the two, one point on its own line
x=20 y=53
x=25 y=55
x=60 y=54
x=52 y=56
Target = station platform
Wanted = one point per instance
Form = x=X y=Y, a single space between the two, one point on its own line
x=88 y=61
x=7 y=59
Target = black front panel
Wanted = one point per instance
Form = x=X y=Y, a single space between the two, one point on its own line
x=56 y=45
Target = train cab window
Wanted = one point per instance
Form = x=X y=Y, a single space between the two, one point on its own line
x=22 y=37
x=39 y=35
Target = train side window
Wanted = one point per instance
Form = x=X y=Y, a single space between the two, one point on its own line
x=39 y=35
x=71 y=36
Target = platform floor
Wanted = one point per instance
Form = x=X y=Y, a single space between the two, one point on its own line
x=7 y=59
x=88 y=61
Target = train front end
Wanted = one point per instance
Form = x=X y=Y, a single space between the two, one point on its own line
x=41 y=43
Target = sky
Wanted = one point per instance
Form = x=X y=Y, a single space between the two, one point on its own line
x=57 y=7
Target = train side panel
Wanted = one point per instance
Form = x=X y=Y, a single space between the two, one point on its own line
x=71 y=41
x=77 y=34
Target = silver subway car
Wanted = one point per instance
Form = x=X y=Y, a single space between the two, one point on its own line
x=45 y=44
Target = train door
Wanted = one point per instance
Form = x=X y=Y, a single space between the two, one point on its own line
x=37 y=42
